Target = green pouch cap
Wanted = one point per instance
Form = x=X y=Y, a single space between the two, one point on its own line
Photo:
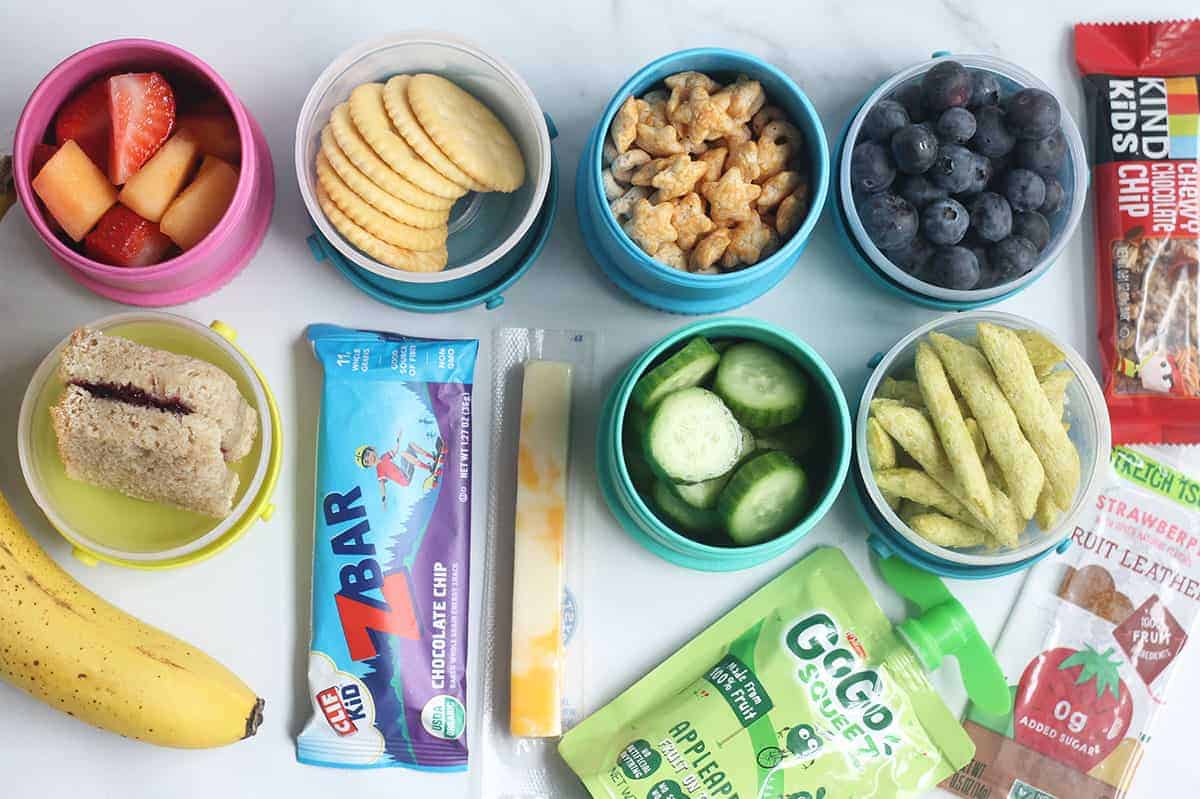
x=803 y=691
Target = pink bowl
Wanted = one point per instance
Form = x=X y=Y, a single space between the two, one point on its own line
x=224 y=252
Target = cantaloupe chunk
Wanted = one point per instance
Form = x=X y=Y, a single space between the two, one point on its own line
x=216 y=132
x=199 y=207
x=155 y=185
x=75 y=191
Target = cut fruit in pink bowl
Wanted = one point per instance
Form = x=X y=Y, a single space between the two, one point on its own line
x=215 y=259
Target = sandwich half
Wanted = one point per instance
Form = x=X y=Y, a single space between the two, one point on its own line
x=151 y=424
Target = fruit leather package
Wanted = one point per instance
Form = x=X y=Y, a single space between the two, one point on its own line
x=387 y=667
x=1144 y=111
x=1094 y=639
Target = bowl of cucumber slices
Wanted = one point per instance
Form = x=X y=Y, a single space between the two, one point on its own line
x=723 y=444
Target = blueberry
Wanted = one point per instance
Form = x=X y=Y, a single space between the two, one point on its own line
x=919 y=191
x=1055 y=196
x=945 y=85
x=992 y=137
x=871 y=169
x=987 y=275
x=910 y=97
x=991 y=217
x=956 y=125
x=1025 y=190
x=985 y=89
x=913 y=257
x=1032 y=114
x=1044 y=156
x=914 y=148
x=887 y=117
x=1033 y=226
x=944 y=222
x=954 y=168
x=981 y=175
x=888 y=219
x=1011 y=257
x=953 y=268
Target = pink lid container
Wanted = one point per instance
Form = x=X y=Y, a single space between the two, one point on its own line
x=219 y=256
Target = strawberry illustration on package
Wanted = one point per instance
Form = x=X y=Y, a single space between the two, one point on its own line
x=1093 y=640
x=1144 y=112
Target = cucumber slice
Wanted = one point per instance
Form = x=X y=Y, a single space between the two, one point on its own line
x=764 y=388
x=686 y=368
x=796 y=439
x=681 y=516
x=722 y=344
x=692 y=437
x=635 y=421
x=749 y=443
x=766 y=496
x=702 y=495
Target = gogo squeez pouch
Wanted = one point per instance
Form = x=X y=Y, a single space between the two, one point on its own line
x=803 y=691
x=387 y=670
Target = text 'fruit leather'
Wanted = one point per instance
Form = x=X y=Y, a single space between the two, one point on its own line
x=387 y=670
x=1090 y=647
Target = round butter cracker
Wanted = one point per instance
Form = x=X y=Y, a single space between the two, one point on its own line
x=371 y=119
x=395 y=100
x=351 y=142
x=376 y=197
x=467 y=132
x=384 y=253
x=377 y=223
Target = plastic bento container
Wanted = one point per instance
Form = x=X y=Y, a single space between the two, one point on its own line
x=1074 y=177
x=105 y=525
x=1085 y=411
x=223 y=252
x=636 y=517
x=494 y=237
x=658 y=285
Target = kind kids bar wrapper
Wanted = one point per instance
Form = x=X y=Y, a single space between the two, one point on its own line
x=1144 y=109
x=1094 y=639
x=387 y=670
x=802 y=691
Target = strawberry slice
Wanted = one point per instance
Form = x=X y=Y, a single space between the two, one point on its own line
x=42 y=153
x=142 y=108
x=85 y=118
x=122 y=238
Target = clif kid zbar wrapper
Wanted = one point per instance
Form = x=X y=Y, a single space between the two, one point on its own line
x=1144 y=112
x=387 y=670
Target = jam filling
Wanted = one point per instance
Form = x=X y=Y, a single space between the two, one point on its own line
x=132 y=395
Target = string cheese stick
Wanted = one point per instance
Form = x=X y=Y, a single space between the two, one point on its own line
x=537 y=645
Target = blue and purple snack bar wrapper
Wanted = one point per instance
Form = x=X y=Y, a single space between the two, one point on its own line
x=387 y=667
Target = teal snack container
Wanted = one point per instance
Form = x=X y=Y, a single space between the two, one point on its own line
x=635 y=516
x=1074 y=177
x=1084 y=410
x=656 y=284
x=494 y=237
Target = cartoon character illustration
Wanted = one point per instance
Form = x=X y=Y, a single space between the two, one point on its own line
x=398 y=465
x=1158 y=373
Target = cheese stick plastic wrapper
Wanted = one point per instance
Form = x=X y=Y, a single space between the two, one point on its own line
x=534 y=614
x=535 y=701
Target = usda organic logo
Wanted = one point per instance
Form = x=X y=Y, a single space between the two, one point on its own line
x=443 y=717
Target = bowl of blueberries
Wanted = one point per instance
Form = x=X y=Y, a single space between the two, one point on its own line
x=960 y=181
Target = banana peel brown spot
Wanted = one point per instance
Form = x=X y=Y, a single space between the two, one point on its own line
x=255 y=718
x=166 y=661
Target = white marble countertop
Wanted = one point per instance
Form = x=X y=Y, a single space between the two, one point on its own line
x=249 y=606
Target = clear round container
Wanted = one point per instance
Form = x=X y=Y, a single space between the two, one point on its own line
x=104 y=524
x=483 y=227
x=1085 y=411
x=1073 y=176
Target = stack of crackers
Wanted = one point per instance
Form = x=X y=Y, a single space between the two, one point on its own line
x=396 y=157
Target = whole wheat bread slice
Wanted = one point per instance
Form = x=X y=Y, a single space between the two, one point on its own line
x=144 y=452
x=92 y=359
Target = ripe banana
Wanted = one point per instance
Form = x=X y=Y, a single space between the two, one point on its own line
x=64 y=645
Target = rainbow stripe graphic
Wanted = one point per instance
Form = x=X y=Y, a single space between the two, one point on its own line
x=1183 y=124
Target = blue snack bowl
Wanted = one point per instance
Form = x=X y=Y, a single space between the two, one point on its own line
x=634 y=513
x=656 y=284
x=863 y=252
x=493 y=237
